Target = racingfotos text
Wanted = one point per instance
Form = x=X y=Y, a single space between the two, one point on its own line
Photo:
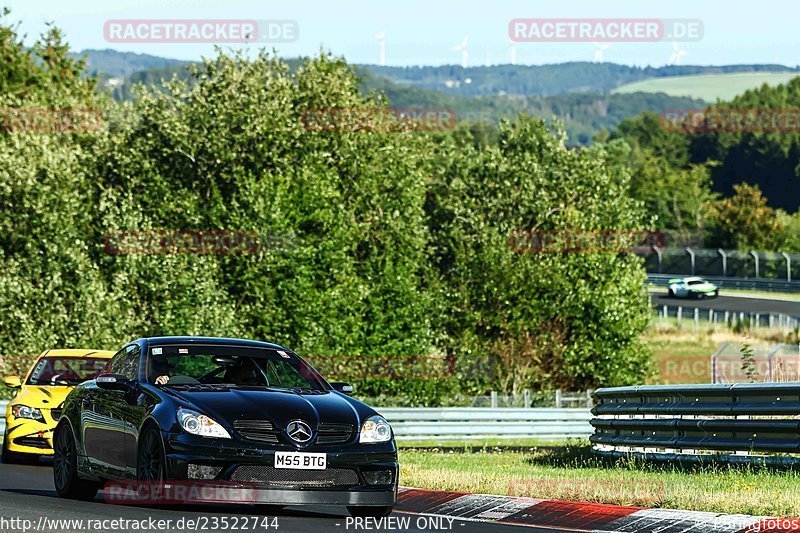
x=732 y=120
x=584 y=241
x=379 y=119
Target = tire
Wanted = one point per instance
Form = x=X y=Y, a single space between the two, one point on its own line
x=15 y=458
x=700 y=295
x=671 y=293
x=369 y=511
x=150 y=465
x=65 y=468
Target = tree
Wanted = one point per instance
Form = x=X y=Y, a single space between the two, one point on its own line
x=746 y=222
x=553 y=320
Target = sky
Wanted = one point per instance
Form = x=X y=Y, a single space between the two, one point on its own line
x=424 y=32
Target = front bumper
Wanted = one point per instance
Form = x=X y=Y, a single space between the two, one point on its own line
x=30 y=436
x=355 y=474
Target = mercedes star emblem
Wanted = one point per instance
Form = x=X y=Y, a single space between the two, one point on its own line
x=299 y=431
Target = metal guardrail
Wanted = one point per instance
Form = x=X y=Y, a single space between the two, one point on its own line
x=713 y=317
x=457 y=423
x=753 y=284
x=3 y=407
x=697 y=421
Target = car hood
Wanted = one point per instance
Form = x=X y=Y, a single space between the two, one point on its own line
x=276 y=405
x=41 y=397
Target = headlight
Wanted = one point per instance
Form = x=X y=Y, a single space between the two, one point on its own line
x=199 y=424
x=23 y=411
x=375 y=429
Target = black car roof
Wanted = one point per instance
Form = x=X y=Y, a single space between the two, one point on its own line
x=211 y=340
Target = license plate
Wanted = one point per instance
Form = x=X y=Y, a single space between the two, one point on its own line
x=300 y=460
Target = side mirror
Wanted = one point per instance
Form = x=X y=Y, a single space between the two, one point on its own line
x=12 y=381
x=344 y=388
x=112 y=382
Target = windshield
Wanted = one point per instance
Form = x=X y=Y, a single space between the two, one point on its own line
x=65 y=370
x=697 y=282
x=232 y=366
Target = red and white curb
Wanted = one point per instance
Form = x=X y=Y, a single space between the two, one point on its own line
x=582 y=516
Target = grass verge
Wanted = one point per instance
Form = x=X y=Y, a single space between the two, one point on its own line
x=572 y=473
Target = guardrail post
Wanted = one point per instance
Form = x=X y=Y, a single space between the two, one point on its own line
x=559 y=401
x=691 y=254
x=679 y=316
x=755 y=256
x=527 y=396
x=788 y=266
x=657 y=250
x=493 y=396
x=724 y=262
x=696 y=320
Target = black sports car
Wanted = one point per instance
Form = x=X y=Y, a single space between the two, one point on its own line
x=245 y=415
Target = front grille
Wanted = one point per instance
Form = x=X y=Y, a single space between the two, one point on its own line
x=334 y=433
x=33 y=442
x=260 y=430
x=268 y=475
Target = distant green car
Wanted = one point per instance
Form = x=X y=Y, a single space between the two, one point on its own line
x=693 y=287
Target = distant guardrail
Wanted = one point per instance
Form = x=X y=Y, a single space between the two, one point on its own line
x=754 y=284
x=3 y=407
x=457 y=423
x=695 y=422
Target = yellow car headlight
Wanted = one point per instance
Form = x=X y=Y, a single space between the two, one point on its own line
x=23 y=411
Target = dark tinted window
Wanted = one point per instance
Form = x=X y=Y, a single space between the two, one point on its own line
x=65 y=370
x=126 y=362
x=231 y=365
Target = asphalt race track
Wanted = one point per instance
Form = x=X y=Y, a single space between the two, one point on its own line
x=731 y=303
x=27 y=493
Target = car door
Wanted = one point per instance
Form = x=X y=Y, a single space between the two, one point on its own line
x=102 y=418
x=132 y=413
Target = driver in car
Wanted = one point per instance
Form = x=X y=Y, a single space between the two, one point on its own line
x=160 y=369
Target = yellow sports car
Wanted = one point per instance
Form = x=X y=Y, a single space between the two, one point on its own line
x=32 y=414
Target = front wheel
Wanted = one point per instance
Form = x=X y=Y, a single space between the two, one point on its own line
x=369 y=511
x=671 y=293
x=65 y=468
x=150 y=465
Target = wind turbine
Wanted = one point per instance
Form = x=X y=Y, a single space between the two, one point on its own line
x=512 y=49
x=599 y=48
x=381 y=38
x=677 y=54
x=463 y=49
